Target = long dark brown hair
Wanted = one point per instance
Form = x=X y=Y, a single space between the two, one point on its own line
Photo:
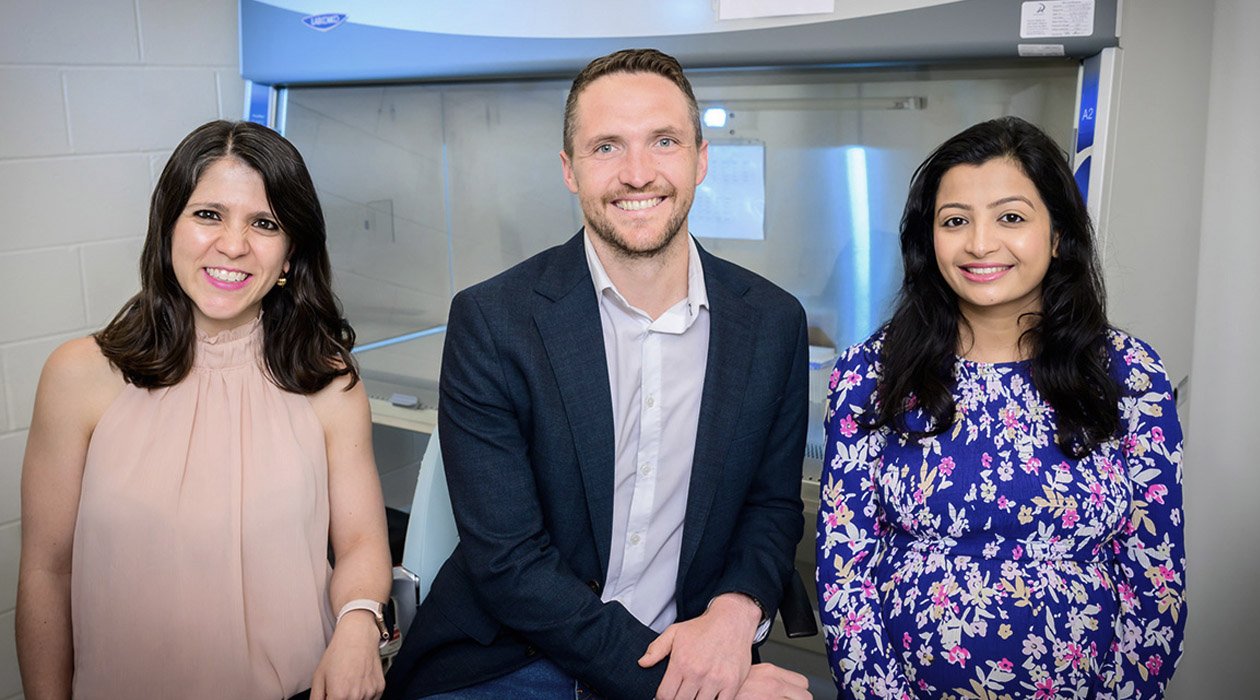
x=306 y=341
x=1070 y=357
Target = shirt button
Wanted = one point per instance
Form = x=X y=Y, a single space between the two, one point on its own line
x=634 y=539
x=651 y=402
x=645 y=470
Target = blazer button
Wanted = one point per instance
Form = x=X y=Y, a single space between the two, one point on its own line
x=530 y=650
x=595 y=586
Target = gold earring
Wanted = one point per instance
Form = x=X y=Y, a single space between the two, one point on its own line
x=282 y=281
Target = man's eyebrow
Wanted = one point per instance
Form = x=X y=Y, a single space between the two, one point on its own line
x=600 y=138
x=659 y=131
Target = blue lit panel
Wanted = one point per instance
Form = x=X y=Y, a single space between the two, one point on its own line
x=860 y=220
x=1086 y=122
x=258 y=102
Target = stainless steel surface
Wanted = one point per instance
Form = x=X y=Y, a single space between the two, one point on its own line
x=431 y=188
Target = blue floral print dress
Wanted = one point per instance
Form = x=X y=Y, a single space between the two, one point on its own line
x=985 y=563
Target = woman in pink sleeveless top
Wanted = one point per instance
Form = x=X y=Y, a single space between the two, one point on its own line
x=188 y=466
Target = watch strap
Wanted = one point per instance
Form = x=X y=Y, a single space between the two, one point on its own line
x=375 y=607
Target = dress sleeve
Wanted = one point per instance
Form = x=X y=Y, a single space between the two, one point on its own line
x=1150 y=547
x=863 y=660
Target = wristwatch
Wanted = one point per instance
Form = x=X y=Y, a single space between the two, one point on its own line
x=378 y=613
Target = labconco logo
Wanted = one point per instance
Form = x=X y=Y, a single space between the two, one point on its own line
x=324 y=22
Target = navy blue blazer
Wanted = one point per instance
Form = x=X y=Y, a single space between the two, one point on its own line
x=525 y=414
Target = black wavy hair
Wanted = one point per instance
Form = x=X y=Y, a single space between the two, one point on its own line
x=1067 y=343
x=306 y=341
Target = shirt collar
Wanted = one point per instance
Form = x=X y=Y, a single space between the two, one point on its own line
x=697 y=293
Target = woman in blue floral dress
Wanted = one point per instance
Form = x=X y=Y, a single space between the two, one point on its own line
x=1001 y=498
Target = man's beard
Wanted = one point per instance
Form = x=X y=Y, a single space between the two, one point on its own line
x=604 y=229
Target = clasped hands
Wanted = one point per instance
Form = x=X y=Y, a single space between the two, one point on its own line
x=710 y=657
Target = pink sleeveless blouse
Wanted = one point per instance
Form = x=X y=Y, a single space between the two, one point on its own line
x=200 y=563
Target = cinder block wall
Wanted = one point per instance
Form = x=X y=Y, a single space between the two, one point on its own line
x=95 y=95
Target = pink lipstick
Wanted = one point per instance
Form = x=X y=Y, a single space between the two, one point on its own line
x=225 y=284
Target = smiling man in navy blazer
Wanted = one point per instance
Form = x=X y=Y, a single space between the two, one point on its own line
x=622 y=421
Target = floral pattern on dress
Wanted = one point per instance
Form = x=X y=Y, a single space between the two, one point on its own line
x=984 y=563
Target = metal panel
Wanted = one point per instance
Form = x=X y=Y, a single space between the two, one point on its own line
x=1095 y=133
x=277 y=47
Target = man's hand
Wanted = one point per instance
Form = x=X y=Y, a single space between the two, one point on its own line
x=709 y=656
x=769 y=682
x=350 y=668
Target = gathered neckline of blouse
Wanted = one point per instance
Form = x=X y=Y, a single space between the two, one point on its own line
x=959 y=359
x=237 y=347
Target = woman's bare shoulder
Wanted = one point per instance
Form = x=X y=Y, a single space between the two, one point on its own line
x=340 y=402
x=78 y=371
x=80 y=359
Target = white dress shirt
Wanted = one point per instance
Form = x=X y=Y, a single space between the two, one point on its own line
x=656 y=373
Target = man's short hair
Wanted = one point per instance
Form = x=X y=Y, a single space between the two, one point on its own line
x=628 y=61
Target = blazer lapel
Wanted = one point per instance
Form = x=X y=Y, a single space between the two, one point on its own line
x=732 y=327
x=574 y=340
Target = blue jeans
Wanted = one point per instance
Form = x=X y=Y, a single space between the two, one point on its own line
x=541 y=680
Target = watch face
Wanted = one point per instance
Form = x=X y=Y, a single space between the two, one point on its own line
x=381 y=625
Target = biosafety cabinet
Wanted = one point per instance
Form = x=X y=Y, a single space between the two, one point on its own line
x=433 y=130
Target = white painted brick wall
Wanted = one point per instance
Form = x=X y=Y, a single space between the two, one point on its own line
x=11 y=447
x=189 y=33
x=10 y=545
x=231 y=96
x=96 y=95
x=127 y=110
x=10 y=680
x=110 y=271
x=71 y=32
x=21 y=363
x=4 y=413
x=35 y=124
x=45 y=291
x=62 y=201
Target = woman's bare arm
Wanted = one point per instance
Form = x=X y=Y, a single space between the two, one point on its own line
x=75 y=388
x=351 y=666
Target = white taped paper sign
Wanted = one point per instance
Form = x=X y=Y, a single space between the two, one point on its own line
x=1054 y=18
x=731 y=202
